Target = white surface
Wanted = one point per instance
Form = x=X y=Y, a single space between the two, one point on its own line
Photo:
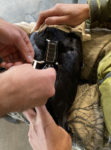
x=25 y=10
x=13 y=136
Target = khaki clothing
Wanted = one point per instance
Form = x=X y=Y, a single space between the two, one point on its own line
x=86 y=119
x=104 y=79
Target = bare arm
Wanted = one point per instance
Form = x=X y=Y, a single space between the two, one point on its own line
x=44 y=134
x=15 y=46
x=69 y=14
x=23 y=87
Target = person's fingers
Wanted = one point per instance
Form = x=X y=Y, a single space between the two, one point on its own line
x=49 y=75
x=44 y=115
x=9 y=58
x=43 y=15
x=57 y=10
x=12 y=58
x=57 y=20
x=3 y=64
x=24 y=51
x=17 y=57
x=41 y=109
x=6 y=51
x=10 y=54
x=28 y=43
x=22 y=43
x=8 y=65
x=30 y=115
x=17 y=63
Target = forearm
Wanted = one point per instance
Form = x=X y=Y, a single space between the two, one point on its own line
x=23 y=87
x=66 y=142
x=42 y=126
x=4 y=96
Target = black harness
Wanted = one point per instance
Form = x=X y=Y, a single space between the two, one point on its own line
x=50 y=57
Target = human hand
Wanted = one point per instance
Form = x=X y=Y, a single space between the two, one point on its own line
x=44 y=134
x=15 y=46
x=68 y=14
x=23 y=87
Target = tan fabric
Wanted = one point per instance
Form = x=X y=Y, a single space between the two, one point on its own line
x=27 y=27
x=30 y=27
x=86 y=119
x=79 y=30
x=104 y=77
x=93 y=51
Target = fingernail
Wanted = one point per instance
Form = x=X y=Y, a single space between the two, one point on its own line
x=30 y=59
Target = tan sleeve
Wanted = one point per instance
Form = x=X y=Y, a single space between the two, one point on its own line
x=27 y=27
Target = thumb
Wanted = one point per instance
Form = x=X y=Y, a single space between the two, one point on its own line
x=24 y=46
x=30 y=115
x=57 y=20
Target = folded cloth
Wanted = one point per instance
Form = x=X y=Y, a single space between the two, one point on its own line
x=86 y=119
